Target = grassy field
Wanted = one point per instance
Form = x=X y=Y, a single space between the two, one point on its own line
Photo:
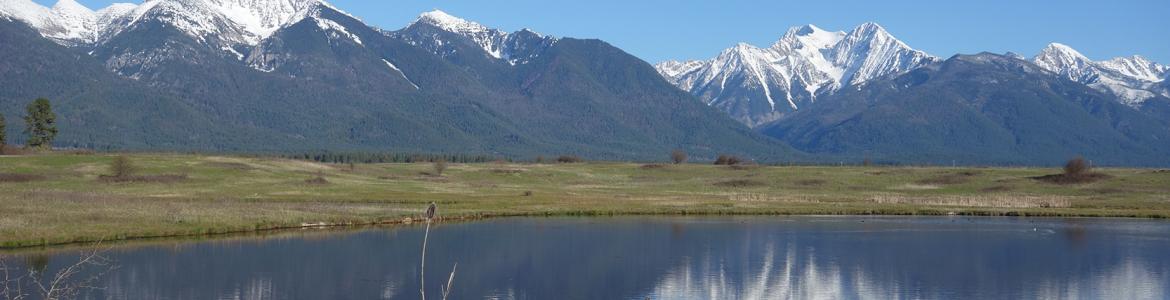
x=62 y=198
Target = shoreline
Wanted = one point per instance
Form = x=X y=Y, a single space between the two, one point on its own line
x=199 y=236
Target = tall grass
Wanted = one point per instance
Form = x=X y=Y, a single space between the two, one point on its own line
x=992 y=201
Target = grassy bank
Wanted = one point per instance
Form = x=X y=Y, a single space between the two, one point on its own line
x=59 y=198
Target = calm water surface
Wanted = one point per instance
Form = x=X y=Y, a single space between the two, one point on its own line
x=667 y=258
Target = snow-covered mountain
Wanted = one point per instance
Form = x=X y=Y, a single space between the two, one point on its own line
x=429 y=30
x=1133 y=79
x=243 y=75
x=228 y=22
x=134 y=39
x=760 y=85
x=67 y=22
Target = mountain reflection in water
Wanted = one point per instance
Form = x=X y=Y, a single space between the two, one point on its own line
x=668 y=258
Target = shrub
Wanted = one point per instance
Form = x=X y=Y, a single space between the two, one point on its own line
x=540 y=159
x=678 y=156
x=728 y=160
x=1076 y=171
x=440 y=166
x=122 y=167
x=569 y=159
x=1076 y=166
x=317 y=180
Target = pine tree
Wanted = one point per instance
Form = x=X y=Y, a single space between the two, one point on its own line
x=41 y=124
x=3 y=134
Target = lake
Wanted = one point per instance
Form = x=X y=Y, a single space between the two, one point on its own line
x=661 y=258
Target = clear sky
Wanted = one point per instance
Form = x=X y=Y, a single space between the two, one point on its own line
x=657 y=30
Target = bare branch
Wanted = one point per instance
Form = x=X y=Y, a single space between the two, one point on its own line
x=64 y=285
x=10 y=288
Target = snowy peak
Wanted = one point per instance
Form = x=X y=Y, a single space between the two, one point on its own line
x=674 y=68
x=234 y=21
x=1132 y=79
x=450 y=23
x=1064 y=60
x=72 y=20
x=869 y=52
x=1137 y=67
x=65 y=21
x=70 y=7
x=808 y=61
x=514 y=48
x=231 y=21
x=25 y=10
x=810 y=36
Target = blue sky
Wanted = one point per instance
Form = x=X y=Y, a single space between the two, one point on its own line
x=656 y=30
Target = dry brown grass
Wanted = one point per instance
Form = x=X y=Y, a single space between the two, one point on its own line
x=1079 y=178
x=739 y=183
x=950 y=178
x=506 y=171
x=811 y=182
x=12 y=150
x=997 y=188
x=994 y=200
x=17 y=178
x=162 y=178
x=318 y=180
x=238 y=166
x=758 y=197
x=742 y=167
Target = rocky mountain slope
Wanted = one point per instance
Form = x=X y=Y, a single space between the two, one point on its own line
x=1133 y=79
x=978 y=109
x=761 y=85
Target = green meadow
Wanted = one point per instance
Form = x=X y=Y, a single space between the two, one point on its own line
x=64 y=198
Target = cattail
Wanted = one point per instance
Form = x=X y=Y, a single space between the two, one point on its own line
x=431 y=212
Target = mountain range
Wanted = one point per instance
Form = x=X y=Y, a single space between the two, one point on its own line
x=808 y=63
x=865 y=94
x=303 y=75
x=760 y=85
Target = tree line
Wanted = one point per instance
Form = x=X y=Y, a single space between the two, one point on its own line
x=40 y=126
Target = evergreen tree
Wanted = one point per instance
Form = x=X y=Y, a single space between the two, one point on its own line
x=3 y=133
x=41 y=124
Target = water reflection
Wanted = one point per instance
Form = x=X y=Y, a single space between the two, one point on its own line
x=772 y=280
x=970 y=259
x=669 y=258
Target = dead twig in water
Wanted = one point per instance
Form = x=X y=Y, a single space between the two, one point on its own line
x=422 y=286
x=63 y=284
x=422 y=267
x=447 y=290
x=10 y=288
